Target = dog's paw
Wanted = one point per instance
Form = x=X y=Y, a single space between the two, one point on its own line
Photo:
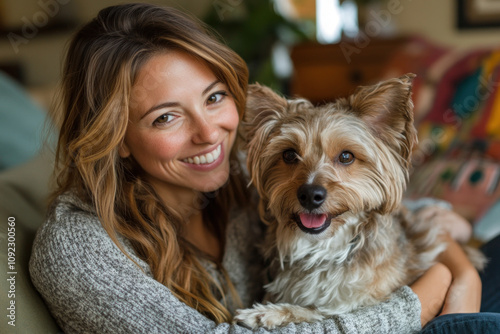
x=275 y=315
x=251 y=318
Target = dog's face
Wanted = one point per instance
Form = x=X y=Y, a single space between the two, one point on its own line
x=314 y=167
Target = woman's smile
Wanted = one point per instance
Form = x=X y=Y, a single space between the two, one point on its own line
x=206 y=161
x=205 y=158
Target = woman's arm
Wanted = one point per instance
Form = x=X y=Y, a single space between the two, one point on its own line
x=431 y=289
x=454 y=269
x=450 y=286
x=91 y=286
x=464 y=295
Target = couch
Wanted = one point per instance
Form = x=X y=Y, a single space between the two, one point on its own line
x=457 y=113
x=26 y=168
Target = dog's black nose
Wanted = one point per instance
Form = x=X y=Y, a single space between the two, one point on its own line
x=311 y=196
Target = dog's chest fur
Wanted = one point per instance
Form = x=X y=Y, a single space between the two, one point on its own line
x=351 y=269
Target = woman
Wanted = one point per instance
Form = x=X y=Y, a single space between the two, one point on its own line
x=150 y=229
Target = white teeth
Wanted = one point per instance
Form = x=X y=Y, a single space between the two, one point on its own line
x=205 y=158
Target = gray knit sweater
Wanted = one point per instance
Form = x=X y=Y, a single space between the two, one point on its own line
x=90 y=286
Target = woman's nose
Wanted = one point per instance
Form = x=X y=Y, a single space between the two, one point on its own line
x=206 y=131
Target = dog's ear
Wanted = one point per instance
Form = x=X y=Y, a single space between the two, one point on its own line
x=387 y=110
x=263 y=109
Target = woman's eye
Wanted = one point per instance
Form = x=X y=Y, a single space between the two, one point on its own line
x=346 y=158
x=216 y=97
x=290 y=156
x=164 y=119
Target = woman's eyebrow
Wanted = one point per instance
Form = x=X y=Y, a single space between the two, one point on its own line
x=209 y=87
x=176 y=104
x=160 y=106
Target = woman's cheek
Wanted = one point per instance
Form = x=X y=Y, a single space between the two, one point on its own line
x=231 y=117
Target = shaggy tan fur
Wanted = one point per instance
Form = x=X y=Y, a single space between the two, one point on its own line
x=331 y=180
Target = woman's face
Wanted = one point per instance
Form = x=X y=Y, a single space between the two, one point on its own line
x=182 y=126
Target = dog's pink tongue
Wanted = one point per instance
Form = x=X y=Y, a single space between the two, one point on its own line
x=312 y=221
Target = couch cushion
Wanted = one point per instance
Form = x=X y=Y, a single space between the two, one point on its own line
x=23 y=193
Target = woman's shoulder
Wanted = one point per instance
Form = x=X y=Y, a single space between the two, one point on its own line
x=89 y=284
x=71 y=203
x=69 y=218
x=73 y=235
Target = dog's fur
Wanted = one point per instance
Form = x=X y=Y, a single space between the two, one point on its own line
x=354 y=244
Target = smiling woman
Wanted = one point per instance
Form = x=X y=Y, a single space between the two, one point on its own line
x=151 y=104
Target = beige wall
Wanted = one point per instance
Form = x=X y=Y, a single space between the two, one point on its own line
x=435 y=19
x=42 y=55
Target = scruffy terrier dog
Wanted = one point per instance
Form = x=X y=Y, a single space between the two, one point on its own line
x=331 y=180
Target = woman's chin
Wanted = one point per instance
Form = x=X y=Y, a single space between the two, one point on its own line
x=214 y=184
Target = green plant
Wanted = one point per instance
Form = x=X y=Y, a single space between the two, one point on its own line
x=251 y=28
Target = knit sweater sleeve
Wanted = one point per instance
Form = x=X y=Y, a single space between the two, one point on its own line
x=90 y=286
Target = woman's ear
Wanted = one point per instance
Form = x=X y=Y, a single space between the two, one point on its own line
x=123 y=150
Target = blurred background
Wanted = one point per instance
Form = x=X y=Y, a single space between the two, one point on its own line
x=318 y=49
x=40 y=29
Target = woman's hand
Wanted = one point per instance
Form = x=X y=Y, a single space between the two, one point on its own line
x=431 y=289
x=464 y=295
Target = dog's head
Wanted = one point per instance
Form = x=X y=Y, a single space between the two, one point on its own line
x=313 y=166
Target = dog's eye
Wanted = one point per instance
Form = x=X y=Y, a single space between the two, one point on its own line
x=290 y=156
x=346 y=158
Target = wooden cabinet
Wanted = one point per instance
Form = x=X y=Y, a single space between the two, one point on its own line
x=323 y=73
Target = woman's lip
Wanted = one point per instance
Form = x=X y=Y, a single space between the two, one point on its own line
x=210 y=150
x=208 y=166
x=206 y=158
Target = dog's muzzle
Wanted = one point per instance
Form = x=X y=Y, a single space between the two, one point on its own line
x=312 y=196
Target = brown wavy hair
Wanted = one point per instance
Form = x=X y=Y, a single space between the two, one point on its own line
x=101 y=65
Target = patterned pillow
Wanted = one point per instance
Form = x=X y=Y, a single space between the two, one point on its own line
x=470 y=185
